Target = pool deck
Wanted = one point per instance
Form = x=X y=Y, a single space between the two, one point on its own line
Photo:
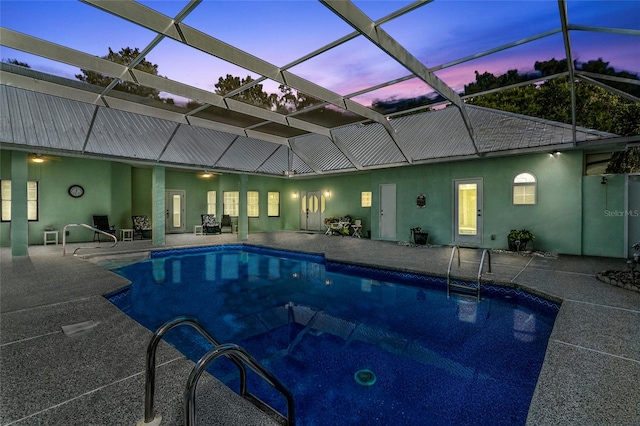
x=590 y=376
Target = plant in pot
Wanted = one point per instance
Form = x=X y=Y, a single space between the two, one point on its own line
x=419 y=236
x=519 y=238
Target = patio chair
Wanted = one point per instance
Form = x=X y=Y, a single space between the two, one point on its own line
x=209 y=224
x=141 y=226
x=226 y=221
x=357 y=228
x=102 y=223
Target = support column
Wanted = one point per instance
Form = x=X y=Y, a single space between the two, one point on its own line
x=19 y=222
x=158 y=209
x=243 y=218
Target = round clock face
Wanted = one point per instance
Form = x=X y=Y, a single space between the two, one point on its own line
x=76 y=191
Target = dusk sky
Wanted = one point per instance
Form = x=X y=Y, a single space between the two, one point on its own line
x=282 y=31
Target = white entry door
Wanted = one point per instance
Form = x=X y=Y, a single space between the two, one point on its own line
x=467 y=221
x=387 y=213
x=312 y=205
x=174 y=205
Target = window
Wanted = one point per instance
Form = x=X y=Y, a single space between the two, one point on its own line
x=211 y=202
x=32 y=200
x=366 y=199
x=273 y=204
x=524 y=189
x=253 y=203
x=230 y=201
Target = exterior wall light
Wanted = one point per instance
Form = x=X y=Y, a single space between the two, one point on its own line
x=327 y=194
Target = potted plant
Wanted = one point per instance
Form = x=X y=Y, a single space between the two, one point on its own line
x=419 y=236
x=518 y=239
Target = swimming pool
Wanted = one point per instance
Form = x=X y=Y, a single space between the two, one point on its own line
x=316 y=324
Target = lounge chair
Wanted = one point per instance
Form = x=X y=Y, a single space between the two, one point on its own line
x=141 y=226
x=226 y=221
x=102 y=223
x=210 y=225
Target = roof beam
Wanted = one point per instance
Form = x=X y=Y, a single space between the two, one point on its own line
x=56 y=52
x=362 y=23
x=591 y=78
x=49 y=88
x=347 y=152
x=564 y=22
x=313 y=166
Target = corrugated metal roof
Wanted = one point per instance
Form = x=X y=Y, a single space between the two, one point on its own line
x=435 y=134
x=34 y=119
x=246 y=154
x=299 y=166
x=128 y=135
x=194 y=145
x=277 y=163
x=502 y=131
x=370 y=144
x=49 y=122
x=321 y=151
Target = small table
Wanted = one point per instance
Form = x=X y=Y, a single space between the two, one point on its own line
x=197 y=230
x=126 y=234
x=53 y=234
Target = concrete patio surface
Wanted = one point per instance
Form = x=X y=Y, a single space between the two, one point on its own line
x=590 y=376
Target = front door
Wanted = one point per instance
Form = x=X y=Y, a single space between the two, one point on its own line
x=387 y=215
x=467 y=221
x=312 y=205
x=174 y=206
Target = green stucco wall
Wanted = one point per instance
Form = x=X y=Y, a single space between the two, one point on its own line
x=107 y=191
x=556 y=219
x=604 y=215
x=569 y=216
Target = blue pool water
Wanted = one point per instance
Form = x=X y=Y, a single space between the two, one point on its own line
x=315 y=324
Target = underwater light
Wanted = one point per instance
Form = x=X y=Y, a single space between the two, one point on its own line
x=365 y=377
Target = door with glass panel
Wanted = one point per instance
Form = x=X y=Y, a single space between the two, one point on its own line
x=312 y=205
x=467 y=220
x=174 y=206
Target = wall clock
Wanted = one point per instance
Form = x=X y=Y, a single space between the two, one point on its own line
x=76 y=191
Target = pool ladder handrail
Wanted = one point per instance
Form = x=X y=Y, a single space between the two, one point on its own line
x=84 y=225
x=234 y=352
x=485 y=254
x=454 y=249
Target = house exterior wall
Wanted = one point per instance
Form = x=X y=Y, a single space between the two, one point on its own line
x=604 y=216
x=556 y=218
x=106 y=188
x=570 y=215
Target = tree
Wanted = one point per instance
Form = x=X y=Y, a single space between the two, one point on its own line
x=125 y=57
x=293 y=100
x=17 y=62
x=487 y=81
x=254 y=95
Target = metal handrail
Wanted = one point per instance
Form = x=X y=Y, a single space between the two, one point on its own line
x=84 y=225
x=240 y=353
x=453 y=252
x=150 y=376
x=485 y=253
x=488 y=253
